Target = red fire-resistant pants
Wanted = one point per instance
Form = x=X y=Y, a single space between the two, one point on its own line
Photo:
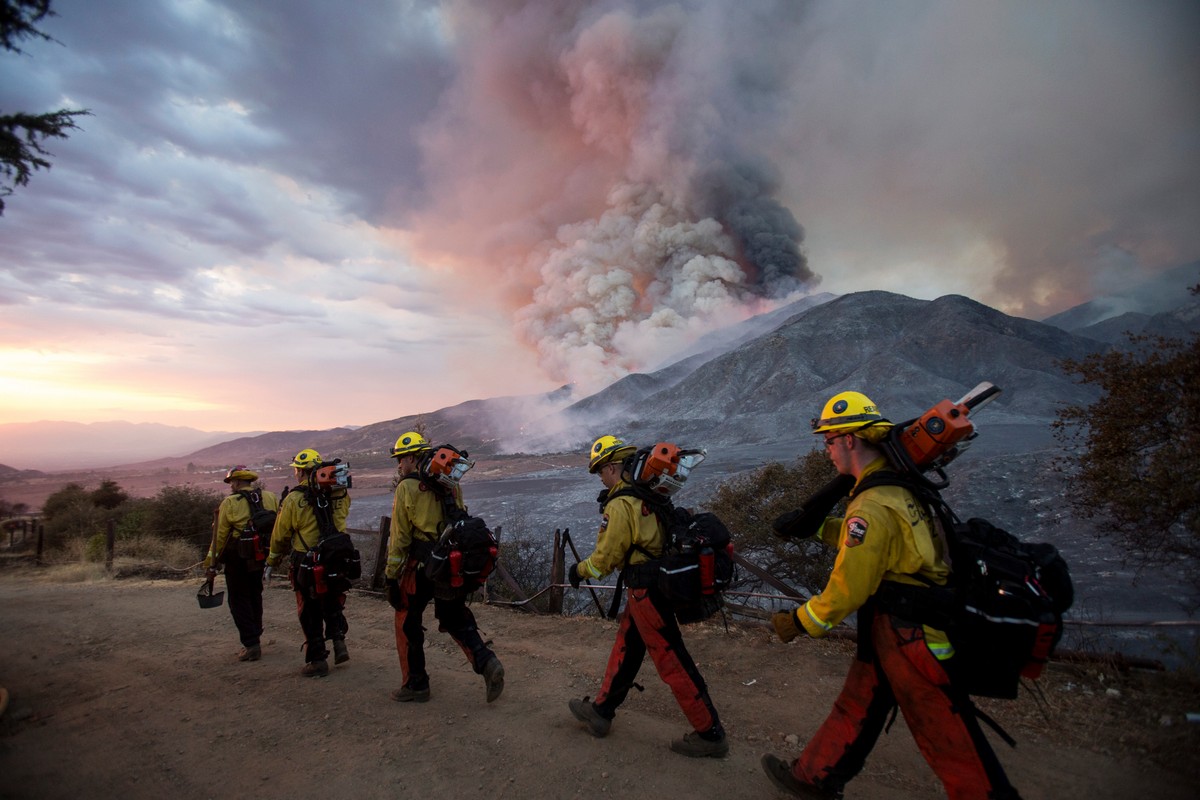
x=649 y=625
x=941 y=718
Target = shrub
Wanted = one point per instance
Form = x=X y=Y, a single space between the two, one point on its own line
x=181 y=512
x=749 y=503
x=95 y=548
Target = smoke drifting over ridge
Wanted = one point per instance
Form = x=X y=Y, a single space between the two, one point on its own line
x=602 y=162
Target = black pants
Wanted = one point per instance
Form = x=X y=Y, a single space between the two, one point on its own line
x=243 y=581
x=453 y=618
x=321 y=617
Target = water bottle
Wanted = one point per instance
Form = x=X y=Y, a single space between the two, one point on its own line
x=708 y=570
x=456 y=578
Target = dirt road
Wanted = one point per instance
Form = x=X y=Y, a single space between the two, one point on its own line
x=127 y=689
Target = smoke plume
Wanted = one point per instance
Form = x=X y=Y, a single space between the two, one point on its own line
x=601 y=164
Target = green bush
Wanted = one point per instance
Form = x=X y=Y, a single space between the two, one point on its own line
x=181 y=512
x=95 y=548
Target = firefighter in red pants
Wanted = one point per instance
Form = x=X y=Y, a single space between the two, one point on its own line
x=417 y=519
x=648 y=624
x=299 y=529
x=885 y=539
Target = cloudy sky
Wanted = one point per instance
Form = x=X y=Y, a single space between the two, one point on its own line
x=292 y=214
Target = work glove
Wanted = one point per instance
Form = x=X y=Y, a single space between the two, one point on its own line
x=210 y=573
x=573 y=575
x=267 y=570
x=785 y=625
x=807 y=520
x=785 y=524
x=395 y=597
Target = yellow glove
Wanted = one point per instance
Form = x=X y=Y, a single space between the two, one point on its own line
x=785 y=625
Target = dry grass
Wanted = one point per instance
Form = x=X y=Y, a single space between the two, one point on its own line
x=1137 y=714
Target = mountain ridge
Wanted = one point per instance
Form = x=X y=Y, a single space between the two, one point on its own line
x=758 y=379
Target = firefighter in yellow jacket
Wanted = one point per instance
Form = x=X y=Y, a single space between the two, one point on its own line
x=885 y=543
x=298 y=530
x=243 y=561
x=648 y=623
x=418 y=517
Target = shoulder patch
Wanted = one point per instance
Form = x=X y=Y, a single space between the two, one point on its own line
x=604 y=523
x=856 y=531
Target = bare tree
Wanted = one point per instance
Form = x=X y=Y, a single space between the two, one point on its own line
x=1134 y=453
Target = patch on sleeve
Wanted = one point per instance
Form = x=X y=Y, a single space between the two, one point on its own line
x=604 y=523
x=856 y=531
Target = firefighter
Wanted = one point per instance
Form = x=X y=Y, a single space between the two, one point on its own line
x=298 y=529
x=648 y=623
x=885 y=542
x=243 y=572
x=417 y=520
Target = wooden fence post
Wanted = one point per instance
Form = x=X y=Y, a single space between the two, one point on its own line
x=385 y=527
x=557 y=573
x=110 y=540
x=41 y=532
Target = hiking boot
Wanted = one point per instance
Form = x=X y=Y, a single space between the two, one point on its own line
x=493 y=678
x=340 y=654
x=585 y=711
x=251 y=653
x=693 y=745
x=407 y=694
x=315 y=669
x=780 y=773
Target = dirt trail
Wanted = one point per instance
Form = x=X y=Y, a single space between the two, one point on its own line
x=126 y=688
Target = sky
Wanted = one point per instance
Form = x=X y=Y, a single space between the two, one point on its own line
x=295 y=214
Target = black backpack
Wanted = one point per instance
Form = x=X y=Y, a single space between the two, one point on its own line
x=696 y=564
x=465 y=554
x=255 y=539
x=1003 y=605
x=333 y=563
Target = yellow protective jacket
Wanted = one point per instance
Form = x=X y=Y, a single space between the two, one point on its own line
x=296 y=527
x=233 y=515
x=885 y=535
x=627 y=521
x=417 y=514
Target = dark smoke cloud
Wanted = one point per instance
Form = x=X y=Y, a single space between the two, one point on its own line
x=604 y=158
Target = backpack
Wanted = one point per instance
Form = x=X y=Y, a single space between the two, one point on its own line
x=696 y=563
x=255 y=539
x=333 y=563
x=465 y=554
x=1003 y=605
x=462 y=558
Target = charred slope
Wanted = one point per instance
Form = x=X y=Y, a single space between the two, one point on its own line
x=905 y=353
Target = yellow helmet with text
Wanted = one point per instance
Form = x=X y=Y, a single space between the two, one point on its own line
x=607 y=449
x=847 y=412
x=410 y=444
x=307 y=459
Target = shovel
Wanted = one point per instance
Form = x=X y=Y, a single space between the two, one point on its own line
x=206 y=597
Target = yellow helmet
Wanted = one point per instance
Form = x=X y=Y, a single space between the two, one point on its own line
x=240 y=473
x=846 y=412
x=410 y=444
x=307 y=459
x=607 y=449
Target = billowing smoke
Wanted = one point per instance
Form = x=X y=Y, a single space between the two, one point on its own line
x=602 y=162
